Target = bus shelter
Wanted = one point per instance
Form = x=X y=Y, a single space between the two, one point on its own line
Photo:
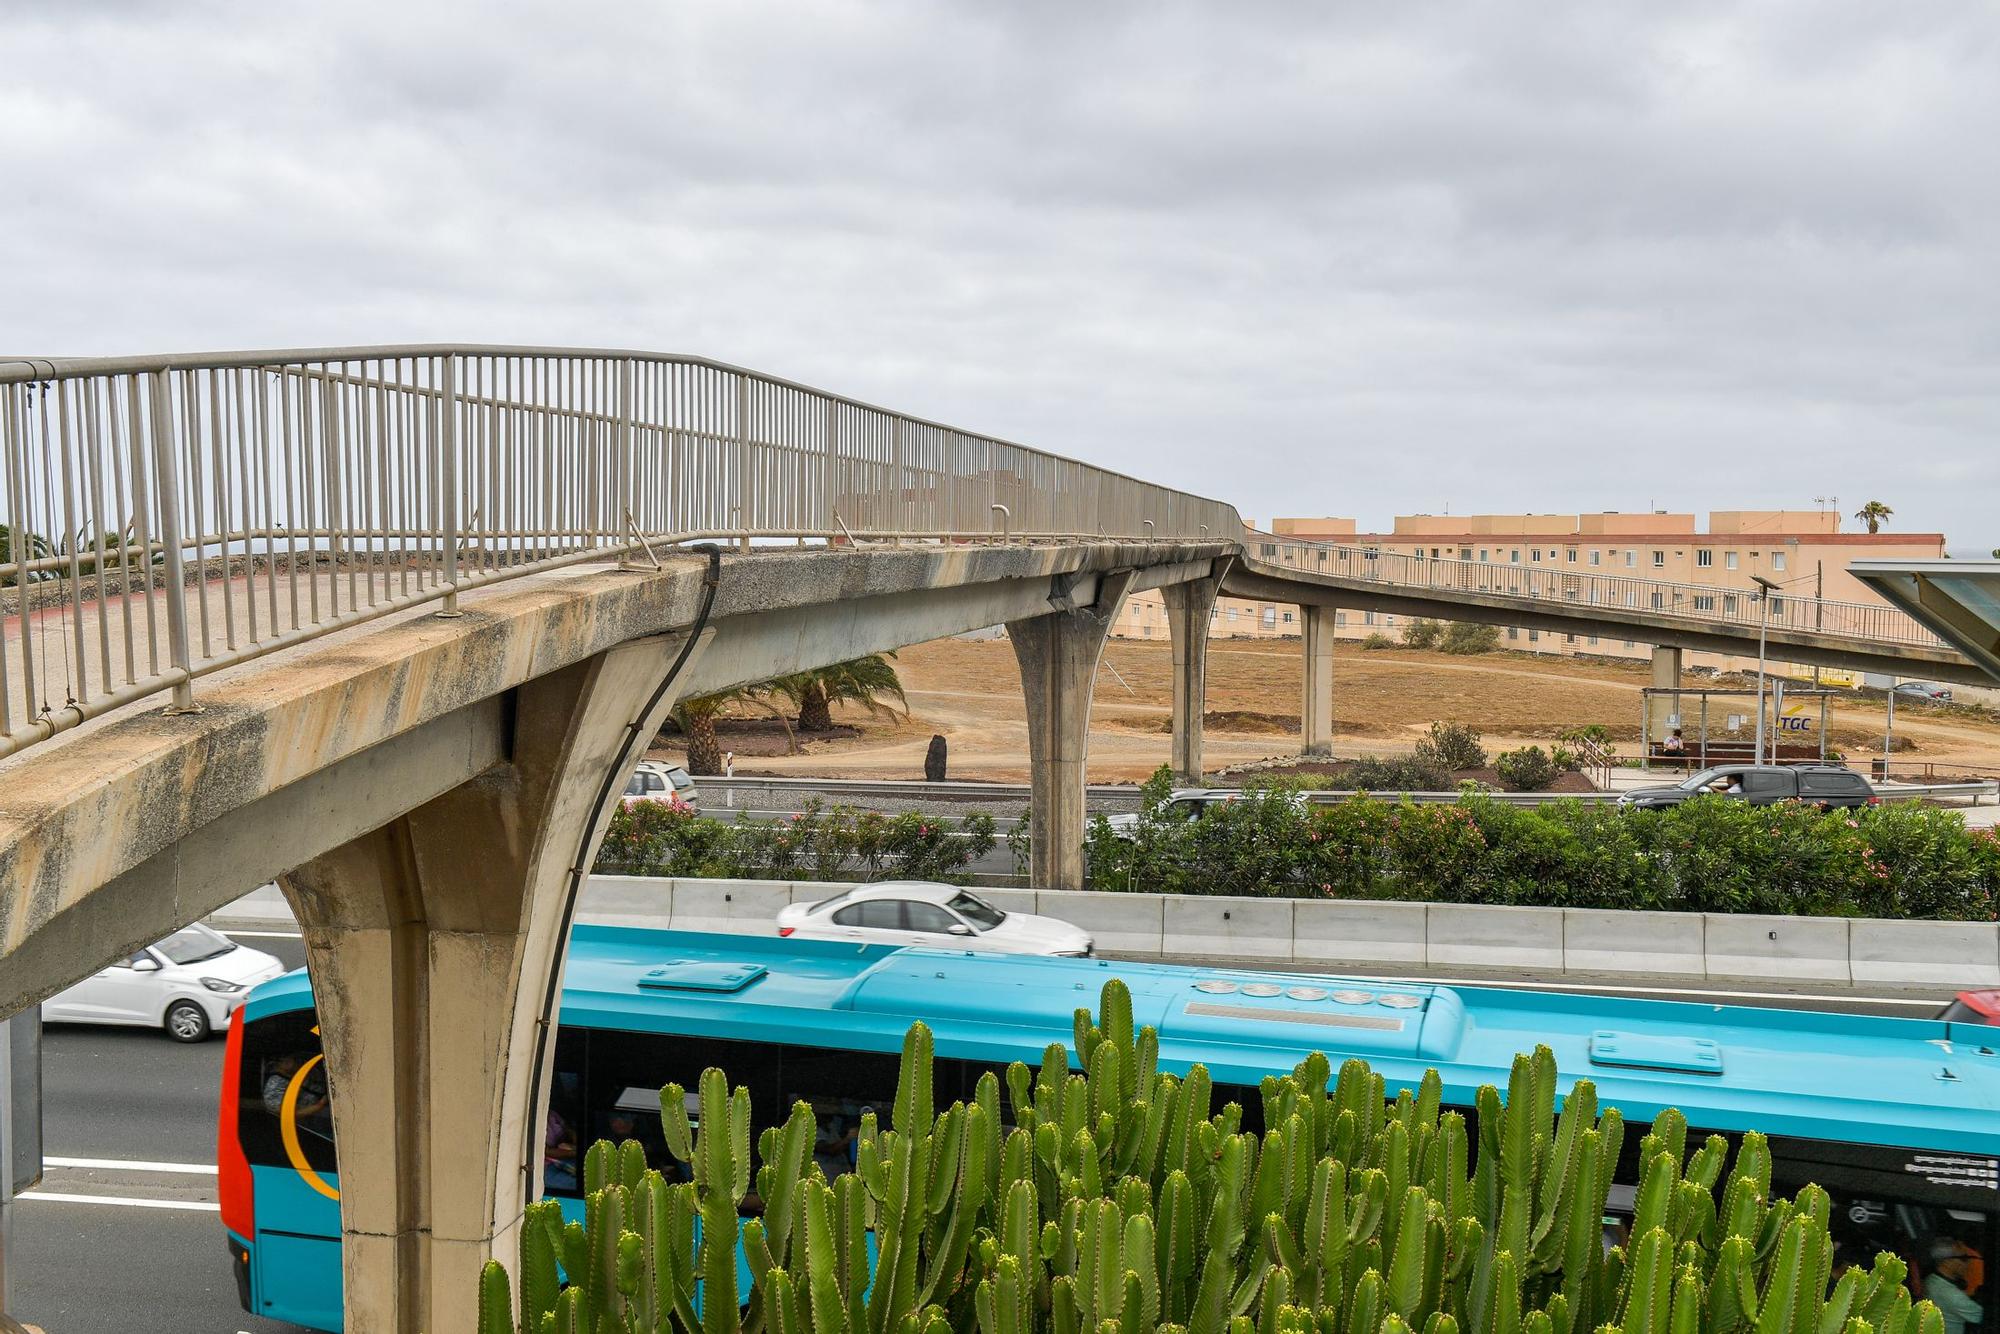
x=1713 y=730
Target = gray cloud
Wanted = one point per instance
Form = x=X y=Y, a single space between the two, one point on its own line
x=1357 y=260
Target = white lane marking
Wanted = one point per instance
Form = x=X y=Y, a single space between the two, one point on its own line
x=125 y=1201
x=265 y=935
x=133 y=1165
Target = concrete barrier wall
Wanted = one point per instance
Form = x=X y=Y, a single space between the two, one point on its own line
x=1355 y=934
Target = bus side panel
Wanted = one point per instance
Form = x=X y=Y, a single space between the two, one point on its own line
x=311 y=1270
x=295 y=1262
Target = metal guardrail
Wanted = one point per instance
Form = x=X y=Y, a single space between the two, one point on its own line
x=1571 y=587
x=919 y=790
x=165 y=517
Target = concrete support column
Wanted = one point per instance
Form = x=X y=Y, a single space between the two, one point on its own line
x=1058 y=654
x=1189 y=606
x=1667 y=665
x=433 y=942
x=1316 y=711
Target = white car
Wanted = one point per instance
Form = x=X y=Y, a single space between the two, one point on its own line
x=189 y=984
x=654 y=781
x=923 y=912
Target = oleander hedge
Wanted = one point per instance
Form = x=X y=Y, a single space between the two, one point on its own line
x=820 y=843
x=1898 y=860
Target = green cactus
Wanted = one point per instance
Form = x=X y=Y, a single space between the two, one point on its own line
x=1123 y=1200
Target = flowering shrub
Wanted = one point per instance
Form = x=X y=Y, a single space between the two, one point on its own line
x=818 y=843
x=1707 y=855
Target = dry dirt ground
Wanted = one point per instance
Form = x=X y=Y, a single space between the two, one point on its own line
x=969 y=690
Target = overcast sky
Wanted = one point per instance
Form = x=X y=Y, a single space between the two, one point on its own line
x=1364 y=260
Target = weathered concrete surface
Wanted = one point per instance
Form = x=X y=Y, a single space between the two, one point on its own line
x=433 y=942
x=1058 y=652
x=1316 y=702
x=1189 y=605
x=81 y=811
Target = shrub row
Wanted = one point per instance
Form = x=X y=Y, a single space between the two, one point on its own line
x=819 y=843
x=1709 y=855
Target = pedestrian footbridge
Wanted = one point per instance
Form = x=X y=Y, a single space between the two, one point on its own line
x=391 y=624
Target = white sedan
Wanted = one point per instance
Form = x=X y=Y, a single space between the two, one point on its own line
x=922 y=912
x=189 y=984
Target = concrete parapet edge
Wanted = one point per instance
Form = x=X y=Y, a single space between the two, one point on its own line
x=1366 y=933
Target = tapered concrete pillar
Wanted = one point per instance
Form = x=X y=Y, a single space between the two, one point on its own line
x=1316 y=709
x=1189 y=606
x=1660 y=709
x=433 y=944
x=1058 y=654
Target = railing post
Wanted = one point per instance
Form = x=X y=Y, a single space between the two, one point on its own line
x=167 y=487
x=448 y=482
x=743 y=458
x=627 y=521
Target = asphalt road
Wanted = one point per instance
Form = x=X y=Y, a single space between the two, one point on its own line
x=148 y=1250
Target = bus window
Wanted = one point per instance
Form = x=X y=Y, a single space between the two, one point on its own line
x=565 y=1134
x=1937 y=1211
x=282 y=1064
x=842 y=1087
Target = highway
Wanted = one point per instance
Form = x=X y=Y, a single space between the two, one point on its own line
x=123 y=1229
x=102 y=1246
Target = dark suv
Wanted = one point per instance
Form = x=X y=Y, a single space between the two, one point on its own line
x=1824 y=785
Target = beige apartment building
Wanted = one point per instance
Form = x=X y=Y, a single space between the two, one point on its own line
x=1804 y=550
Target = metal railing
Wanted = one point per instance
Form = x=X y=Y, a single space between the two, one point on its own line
x=1567 y=588
x=165 y=517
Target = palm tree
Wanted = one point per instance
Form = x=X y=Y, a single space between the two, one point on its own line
x=696 y=717
x=1872 y=514
x=864 y=681
x=33 y=547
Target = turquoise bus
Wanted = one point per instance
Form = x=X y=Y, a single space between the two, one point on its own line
x=1898 y=1118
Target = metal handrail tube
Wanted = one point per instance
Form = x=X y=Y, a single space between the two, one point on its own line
x=170 y=516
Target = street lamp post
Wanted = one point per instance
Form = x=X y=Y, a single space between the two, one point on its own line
x=1766 y=587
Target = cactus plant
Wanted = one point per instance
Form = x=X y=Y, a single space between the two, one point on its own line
x=1122 y=1200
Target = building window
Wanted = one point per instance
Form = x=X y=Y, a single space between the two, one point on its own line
x=1597 y=558
x=1572 y=555
x=1269 y=549
x=1658 y=600
x=1270 y=617
x=1232 y=615
x=1728 y=604
x=1514 y=556
x=1777 y=605
x=1631 y=558
x=1704 y=602
x=1630 y=644
x=1593 y=641
x=1482 y=553
x=1569 y=639
x=1536 y=555
x=1777 y=560
x=1728 y=560
x=1513 y=633
x=1534 y=636
x=1147 y=630
x=1340 y=620
x=1368 y=618
x=1288 y=618
x=1214 y=612
x=1465 y=553
x=1659 y=560
x=1704 y=558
